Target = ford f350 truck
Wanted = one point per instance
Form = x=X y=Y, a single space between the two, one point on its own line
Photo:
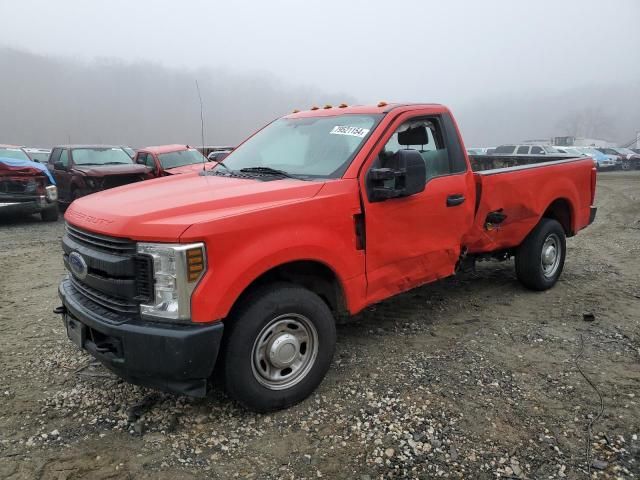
x=241 y=270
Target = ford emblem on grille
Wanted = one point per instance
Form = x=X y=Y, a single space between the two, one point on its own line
x=78 y=266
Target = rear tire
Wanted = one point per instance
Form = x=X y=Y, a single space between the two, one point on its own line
x=540 y=258
x=277 y=347
x=50 y=214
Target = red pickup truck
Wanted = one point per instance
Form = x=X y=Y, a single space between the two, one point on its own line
x=321 y=213
x=166 y=160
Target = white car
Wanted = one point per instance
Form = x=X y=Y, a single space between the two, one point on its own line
x=512 y=149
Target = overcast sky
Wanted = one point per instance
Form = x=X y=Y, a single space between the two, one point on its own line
x=440 y=51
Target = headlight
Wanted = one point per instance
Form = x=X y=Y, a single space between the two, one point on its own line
x=177 y=269
x=51 y=192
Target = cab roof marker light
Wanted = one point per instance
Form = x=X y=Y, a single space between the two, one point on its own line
x=315 y=108
x=343 y=105
x=296 y=111
x=327 y=106
x=382 y=104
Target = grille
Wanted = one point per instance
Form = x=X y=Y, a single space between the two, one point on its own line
x=119 y=180
x=118 y=278
x=106 y=301
x=119 y=246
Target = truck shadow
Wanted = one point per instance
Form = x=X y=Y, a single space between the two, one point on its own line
x=7 y=220
x=420 y=309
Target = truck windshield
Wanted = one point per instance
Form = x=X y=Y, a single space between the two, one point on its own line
x=100 y=156
x=314 y=147
x=14 y=153
x=180 y=158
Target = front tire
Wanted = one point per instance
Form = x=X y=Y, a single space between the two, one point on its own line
x=278 y=347
x=49 y=214
x=540 y=258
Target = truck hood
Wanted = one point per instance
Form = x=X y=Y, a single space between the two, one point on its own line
x=107 y=170
x=194 y=167
x=162 y=209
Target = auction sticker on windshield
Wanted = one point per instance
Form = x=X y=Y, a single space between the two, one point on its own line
x=352 y=131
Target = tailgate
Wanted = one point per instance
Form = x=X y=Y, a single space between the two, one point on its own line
x=523 y=194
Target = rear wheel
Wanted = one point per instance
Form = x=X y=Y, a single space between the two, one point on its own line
x=278 y=347
x=50 y=214
x=626 y=165
x=540 y=258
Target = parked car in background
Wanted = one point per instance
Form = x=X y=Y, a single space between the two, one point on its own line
x=40 y=155
x=218 y=155
x=629 y=159
x=166 y=160
x=27 y=187
x=83 y=169
x=207 y=149
x=612 y=154
x=13 y=151
x=636 y=150
x=477 y=151
x=512 y=149
x=602 y=161
x=129 y=151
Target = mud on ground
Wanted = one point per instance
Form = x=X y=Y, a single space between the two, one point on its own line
x=472 y=377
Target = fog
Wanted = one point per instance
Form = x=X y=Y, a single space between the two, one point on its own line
x=124 y=72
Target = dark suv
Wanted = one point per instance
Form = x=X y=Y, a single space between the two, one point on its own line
x=83 y=169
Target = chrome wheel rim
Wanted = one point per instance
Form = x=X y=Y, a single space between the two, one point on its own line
x=284 y=352
x=550 y=256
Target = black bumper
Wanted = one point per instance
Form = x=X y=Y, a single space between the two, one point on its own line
x=173 y=357
x=592 y=214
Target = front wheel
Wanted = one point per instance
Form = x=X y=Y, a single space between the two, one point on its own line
x=626 y=165
x=540 y=258
x=49 y=214
x=278 y=347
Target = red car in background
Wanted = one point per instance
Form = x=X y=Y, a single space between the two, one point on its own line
x=171 y=159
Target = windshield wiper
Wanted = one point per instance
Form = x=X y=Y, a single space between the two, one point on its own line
x=267 y=171
x=115 y=163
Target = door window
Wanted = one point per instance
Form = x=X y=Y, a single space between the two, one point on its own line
x=424 y=136
x=146 y=159
x=523 y=150
x=536 y=150
x=64 y=158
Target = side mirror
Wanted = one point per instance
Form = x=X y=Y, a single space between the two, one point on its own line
x=59 y=166
x=401 y=175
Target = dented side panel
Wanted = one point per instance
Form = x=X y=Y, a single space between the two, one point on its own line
x=523 y=196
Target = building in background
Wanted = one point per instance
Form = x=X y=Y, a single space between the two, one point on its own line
x=570 y=141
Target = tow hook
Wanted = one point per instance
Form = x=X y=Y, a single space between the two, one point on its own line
x=61 y=310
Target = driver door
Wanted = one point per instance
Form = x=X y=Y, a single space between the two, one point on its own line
x=62 y=175
x=417 y=239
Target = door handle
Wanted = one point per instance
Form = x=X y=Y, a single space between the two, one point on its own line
x=455 y=199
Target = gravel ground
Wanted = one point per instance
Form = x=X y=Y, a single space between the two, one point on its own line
x=472 y=377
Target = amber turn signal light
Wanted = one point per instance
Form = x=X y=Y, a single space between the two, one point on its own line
x=195 y=264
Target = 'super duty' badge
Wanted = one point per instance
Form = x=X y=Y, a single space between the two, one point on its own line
x=78 y=266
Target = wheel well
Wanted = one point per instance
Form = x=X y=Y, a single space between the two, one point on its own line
x=312 y=275
x=560 y=210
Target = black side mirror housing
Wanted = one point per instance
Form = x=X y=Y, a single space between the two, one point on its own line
x=59 y=166
x=401 y=175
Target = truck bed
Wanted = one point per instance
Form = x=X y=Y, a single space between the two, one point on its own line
x=563 y=189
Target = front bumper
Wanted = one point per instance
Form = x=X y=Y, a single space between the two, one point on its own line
x=173 y=357
x=26 y=206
